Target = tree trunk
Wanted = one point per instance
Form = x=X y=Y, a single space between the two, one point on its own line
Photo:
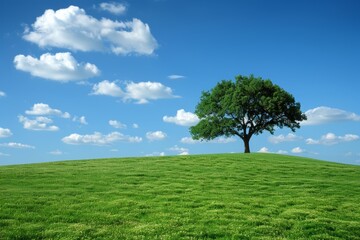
x=246 y=144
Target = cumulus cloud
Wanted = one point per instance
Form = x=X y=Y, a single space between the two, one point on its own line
x=156 y=136
x=180 y=150
x=283 y=138
x=61 y=67
x=141 y=92
x=322 y=115
x=16 y=145
x=45 y=109
x=297 y=150
x=331 y=139
x=221 y=140
x=38 y=124
x=182 y=118
x=107 y=88
x=175 y=77
x=5 y=132
x=2 y=94
x=73 y=29
x=99 y=139
x=117 y=124
x=264 y=150
x=113 y=7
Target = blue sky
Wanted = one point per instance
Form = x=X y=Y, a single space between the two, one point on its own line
x=95 y=79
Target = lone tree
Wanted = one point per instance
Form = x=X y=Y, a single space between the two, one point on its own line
x=245 y=108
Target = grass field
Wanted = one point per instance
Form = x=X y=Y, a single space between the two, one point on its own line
x=228 y=196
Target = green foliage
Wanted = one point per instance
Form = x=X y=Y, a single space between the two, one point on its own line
x=245 y=108
x=230 y=196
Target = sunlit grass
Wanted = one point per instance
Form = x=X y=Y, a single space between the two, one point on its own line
x=230 y=196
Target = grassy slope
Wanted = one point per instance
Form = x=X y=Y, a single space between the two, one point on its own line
x=231 y=196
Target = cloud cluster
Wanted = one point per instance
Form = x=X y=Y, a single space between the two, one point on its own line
x=283 y=138
x=182 y=118
x=179 y=150
x=38 y=124
x=61 y=67
x=156 y=136
x=5 y=132
x=73 y=29
x=141 y=92
x=331 y=139
x=45 y=109
x=99 y=139
x=322 y=115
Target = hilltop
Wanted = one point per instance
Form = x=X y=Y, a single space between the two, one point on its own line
x=225 y=196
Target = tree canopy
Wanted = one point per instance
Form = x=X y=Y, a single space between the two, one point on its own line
x=244 y=108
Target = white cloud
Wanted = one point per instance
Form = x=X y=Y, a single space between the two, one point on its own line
x=283 y=138
x=45 y=109
x=107 y=88
x=61 y=67
x=297 y=150
x=99 y=139
x=38 y=124
x=4 y=154
x=5 y=132
x=220 y=140
x=322 y=115
x=117 y=124
x=73 y=29
x=156 y=136
x=56 y=152
x=175 y=77
x=81 y=120
x=182 y=118
x=2 y=94
x=113 y=7
x=135 y=125
x=16 y=145
x=264 y=150
x=331 y=139
x=141 y=92
x=282 y=152
x=180 y=150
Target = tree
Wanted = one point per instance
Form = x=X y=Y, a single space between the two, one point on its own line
x=245 y=108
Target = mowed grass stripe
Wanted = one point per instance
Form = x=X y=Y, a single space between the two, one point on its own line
x=226 y=196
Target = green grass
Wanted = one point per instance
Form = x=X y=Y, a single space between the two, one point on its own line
x=228 y=196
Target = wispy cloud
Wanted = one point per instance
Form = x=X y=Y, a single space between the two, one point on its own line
x=16 y=145
x=179 y=150
x=117 y=124
x=175 y=77
x=113 y=7
x=2 y=94
x=220 y=140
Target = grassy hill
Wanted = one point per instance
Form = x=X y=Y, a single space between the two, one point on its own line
x=228 y=196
